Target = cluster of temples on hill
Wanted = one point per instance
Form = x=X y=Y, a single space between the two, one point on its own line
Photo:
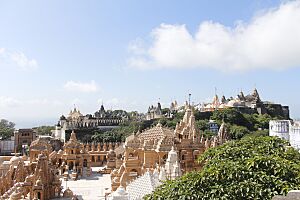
x=102 y=119
x=250 y=103
x=157 y=153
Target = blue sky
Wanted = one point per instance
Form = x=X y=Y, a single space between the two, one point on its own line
x=129 y=54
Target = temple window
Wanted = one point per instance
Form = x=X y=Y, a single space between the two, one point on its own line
x=85 y=163
x=93 y=159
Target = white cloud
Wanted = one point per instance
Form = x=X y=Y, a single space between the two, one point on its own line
x=269 y=41
x=81 y=87
x=2 y=51
x=18 y=59
x=136 y=47
x=22 y=61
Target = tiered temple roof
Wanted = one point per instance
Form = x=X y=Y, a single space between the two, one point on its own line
x=153 y=138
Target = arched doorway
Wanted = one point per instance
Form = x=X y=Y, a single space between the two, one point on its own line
x=71 y=165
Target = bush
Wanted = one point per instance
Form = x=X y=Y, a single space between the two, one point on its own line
x=250 y=168
x=237 y=132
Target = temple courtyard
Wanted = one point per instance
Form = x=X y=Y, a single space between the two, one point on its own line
x=89 y=188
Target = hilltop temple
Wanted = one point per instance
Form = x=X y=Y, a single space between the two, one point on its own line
x=77 y=121
x=154 y=112
x=250 y=103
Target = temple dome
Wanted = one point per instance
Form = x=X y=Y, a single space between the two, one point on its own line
x=68 y=193
x=235 y=103
x=172 y=155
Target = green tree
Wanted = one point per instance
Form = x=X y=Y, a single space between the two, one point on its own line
x=237 y=132
x=165 y=111
x=257 y=133
x=44 y=130
x=208 y=134
x=202 y=125
x=262 y=121
x=6 y=129
x=232 y=116
x=202 y=115
x=250 y=168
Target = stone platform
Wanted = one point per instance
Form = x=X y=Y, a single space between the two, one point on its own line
x=89 y=188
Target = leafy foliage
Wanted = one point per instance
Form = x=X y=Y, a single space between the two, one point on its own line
x=202 y=125
x=250 y=168
x=119 y=134
x=6 y=129
x=44 y=130
x=237 y=132
x=232 y=116
x=240 y=124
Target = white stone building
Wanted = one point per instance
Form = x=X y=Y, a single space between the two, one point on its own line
x=172 y=168
x=286 y=129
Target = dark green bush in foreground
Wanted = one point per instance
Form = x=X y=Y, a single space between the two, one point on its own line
x=251 y=168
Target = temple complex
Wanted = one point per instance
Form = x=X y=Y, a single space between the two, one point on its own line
x=149 y=150
x=77 y=121
x=81 y=157
x=30 y=179
x=39 y=175
x=136 y=168
x=250 y=103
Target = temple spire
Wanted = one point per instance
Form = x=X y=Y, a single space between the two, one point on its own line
x=73 y=136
